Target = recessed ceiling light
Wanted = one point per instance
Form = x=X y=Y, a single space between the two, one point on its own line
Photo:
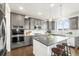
x=39 y=13
x=51 y=5
x=21 y=8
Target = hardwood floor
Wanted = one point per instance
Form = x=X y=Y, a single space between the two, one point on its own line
x=75 y=51
x=23 y=51
x=28 y=51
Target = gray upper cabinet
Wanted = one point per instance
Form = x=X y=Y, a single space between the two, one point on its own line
x=17 y=20
x=73 y=23
x=53 y=25
x=47 y=25
x=21 y=20
x=37 y=23
x=31 y=24
x=43 y=25
x=34 y=24
x=27 y=24
x=50 y=25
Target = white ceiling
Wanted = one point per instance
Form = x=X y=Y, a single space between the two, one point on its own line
x=31 y=9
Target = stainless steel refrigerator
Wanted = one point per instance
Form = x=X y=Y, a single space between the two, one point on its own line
x=2 y=31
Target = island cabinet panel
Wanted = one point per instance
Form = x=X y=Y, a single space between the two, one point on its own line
x=42 y=49
x=42 y=46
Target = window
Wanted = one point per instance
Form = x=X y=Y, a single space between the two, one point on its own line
x=63 y=24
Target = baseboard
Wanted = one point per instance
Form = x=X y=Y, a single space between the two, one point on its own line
x=71 y=46
x=21 y=47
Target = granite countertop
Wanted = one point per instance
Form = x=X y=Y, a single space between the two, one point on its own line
x=51 y=40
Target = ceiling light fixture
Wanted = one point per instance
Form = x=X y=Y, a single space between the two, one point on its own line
x=21 y=8
x=61 y=16
x=39 y=13
x=51 y=5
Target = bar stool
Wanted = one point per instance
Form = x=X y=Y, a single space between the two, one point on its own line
x=67 y=49
x=61 y=47
x=57 y=51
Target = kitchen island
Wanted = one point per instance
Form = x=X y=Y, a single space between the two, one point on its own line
x=42 y=44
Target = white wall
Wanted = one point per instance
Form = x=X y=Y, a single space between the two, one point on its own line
x=7 y=15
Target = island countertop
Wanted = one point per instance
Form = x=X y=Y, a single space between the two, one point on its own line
x=48 y=41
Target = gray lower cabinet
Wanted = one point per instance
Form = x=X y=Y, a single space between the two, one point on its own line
x=77 y=42
x=18 y=44
x=27 y=41
x=74 y=42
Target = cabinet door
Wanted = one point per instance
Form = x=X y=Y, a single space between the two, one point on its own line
x=32 y=24
x=14 y=20
x=53 y=25
x=43 y=25
x=39 y=22
x=27 y=40
x=76 y=41
x=74 y=23
x=71 y=41
x=35 y=22
x=17 y=19
x=20 y=19
x=47 y=25
x=50 y=25
x=26 y=24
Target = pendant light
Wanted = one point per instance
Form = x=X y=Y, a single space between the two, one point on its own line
x=50 y=11
x=61 y=16
x=63 y=20
x=60 y=12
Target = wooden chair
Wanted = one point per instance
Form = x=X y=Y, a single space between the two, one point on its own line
x=61 y=47
x=57 y=51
